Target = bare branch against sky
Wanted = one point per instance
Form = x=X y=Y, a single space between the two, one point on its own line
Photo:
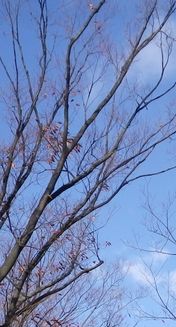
x=78 y=125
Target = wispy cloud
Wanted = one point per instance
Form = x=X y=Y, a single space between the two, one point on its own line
x=138 y=272
x=148 y=63
x=158 y=257
x=172 y=281
x=147 y=270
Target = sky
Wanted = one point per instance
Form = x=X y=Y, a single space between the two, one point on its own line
x=127 y=215
x=127 y=229
x=127 y=232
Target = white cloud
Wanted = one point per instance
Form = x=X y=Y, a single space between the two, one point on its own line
x=172 y=281
x=157 y=257
x=138 y=272
x=148 y=62
x=145 y=272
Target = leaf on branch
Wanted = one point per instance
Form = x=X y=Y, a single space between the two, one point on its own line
x=105 y=186
x=108 y=243
x=91 y=6
x=13 y=165
x=22 y=269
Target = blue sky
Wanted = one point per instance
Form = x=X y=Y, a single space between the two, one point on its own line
x=127 y=225
x=128 y=214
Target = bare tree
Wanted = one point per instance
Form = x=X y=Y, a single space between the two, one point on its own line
x=76 y=132
x=160 y=271
x=92 y=301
